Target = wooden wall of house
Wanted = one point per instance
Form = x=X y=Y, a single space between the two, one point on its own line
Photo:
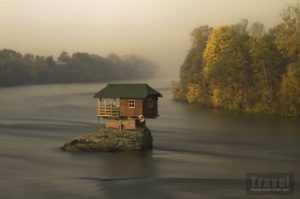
x=150 y=107
x=125 y=111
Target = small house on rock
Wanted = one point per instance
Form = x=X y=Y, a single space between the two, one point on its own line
x=125 y=106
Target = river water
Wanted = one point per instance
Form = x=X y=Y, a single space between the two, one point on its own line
x=198 y=152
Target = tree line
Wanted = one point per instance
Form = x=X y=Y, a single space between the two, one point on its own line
x=244 y=67
x=18 y=69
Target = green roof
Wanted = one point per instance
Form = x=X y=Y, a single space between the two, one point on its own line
x=127 y=91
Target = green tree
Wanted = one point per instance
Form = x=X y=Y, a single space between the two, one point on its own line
x=81 y=67
x=63 y=58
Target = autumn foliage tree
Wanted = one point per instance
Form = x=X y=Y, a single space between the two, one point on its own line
x=190 y=73
x=245 y=68
x=290 y=90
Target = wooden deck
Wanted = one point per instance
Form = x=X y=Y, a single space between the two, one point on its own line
x=108 y=111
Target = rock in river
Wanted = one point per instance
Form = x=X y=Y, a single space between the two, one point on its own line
x=111 y=140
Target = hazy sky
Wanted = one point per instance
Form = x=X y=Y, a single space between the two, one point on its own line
x=157 y=29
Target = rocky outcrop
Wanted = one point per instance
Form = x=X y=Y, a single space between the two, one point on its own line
x=111 y=140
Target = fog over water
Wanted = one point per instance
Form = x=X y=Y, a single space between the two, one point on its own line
x=198 y=152
x=156 y=29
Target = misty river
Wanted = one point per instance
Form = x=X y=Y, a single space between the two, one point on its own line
x=198 y=152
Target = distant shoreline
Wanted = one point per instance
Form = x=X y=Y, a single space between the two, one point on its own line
x=65 y=83
x=17 y=69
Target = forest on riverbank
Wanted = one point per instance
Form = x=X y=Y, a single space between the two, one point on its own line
x=18 y=69
x=244 y=67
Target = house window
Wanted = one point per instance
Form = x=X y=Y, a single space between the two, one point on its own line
x=131 y=103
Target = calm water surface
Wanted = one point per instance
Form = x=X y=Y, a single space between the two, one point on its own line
x=198 y=152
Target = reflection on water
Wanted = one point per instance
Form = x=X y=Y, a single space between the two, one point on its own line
x=198 y=152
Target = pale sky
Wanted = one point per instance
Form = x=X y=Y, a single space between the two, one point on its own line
x=157 y=29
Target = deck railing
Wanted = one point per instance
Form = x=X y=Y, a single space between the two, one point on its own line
x=108 y=111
